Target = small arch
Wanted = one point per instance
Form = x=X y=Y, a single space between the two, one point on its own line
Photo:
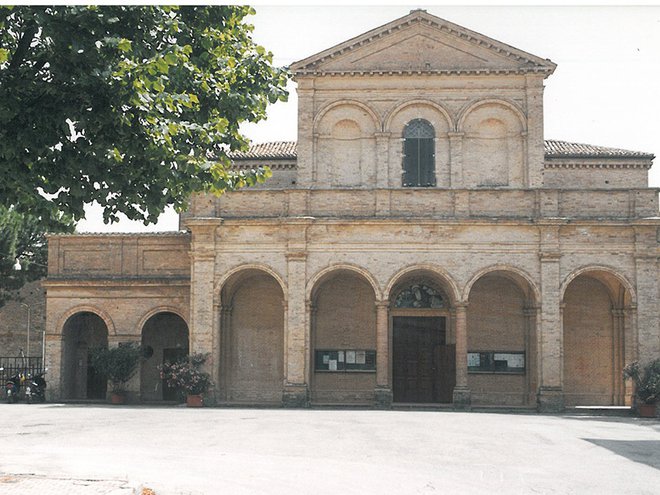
x=446 y=280
x=87 y=309
x=252 y=309
x=387 y=127
x=162 y=309
x=319 y=116
x=517 y=275
x=230 y=275
x=324 y=273
x=592 y=270
x=342 y=303
x=165 y=337
x=596 y=333
x=82 y=332
x=491 y=101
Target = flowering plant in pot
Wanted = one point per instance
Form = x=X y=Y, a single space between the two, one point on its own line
x=186 y=375
x=118 y=365
x=647 y=385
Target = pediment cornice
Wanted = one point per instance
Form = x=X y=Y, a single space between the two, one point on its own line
x=523 y=62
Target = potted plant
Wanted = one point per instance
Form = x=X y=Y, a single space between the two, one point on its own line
x=118 y=365
x=186 y=375
x=647 y=386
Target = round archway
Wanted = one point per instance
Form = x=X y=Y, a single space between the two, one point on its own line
x=81 y=333
x=594 y=339
x=164 y=339
x=252 y=338
x=501 y=336
x=423 y=343
x=343 y=338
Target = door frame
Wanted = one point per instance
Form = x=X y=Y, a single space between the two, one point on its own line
x=416 y=312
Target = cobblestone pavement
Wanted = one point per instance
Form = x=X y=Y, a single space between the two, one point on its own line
x=209 y=451
x=49 y=485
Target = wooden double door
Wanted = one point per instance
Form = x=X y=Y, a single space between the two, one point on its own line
x=423 y=364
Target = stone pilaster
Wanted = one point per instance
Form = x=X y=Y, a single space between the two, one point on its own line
x=382 y=160
x=456 y=159
x=54 y=363
x=202 y=278
x=550 y=397
x=297 y=334
x=648 y=292
x=550 y=336
x=462 y=394
x=383 y=392
x=618 y=328
x=223 y=314
x=630 y=348
x=535 y=141
x=305 y=147
x=531 y=314
x=297 y=345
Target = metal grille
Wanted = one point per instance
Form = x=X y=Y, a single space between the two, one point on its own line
x=419 y=129
x=418 y=154
x=13 y=365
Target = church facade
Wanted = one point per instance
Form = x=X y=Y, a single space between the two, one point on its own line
x=420 y=243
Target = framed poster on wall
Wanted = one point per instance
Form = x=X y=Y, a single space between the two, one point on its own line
x=345 y=360
x=496 y=362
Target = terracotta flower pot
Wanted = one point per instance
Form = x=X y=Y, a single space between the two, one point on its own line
x=647 y=410
x=117 y=398
x=194 y=401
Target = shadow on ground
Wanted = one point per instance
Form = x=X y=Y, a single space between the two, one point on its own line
x=642 y=451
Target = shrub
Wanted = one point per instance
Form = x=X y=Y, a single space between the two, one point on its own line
x=117 y=364
x=647 y=380
x=186 y=374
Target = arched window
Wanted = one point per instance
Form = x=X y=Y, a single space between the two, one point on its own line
x=419 y=296
x=418 y=154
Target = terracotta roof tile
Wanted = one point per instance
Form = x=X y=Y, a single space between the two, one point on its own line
x=565 y=149
x=282 y=150
x=286 y=150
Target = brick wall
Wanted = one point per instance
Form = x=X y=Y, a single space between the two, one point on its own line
x=255 y=345
x=496 y=323
x=588 y=347
x=345 y=318
x=13 y=321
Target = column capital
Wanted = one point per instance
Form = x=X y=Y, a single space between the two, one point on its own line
x=455 y=135
x=461 y=306
x=296 y=256
x=383 y=304
x=200 y=256
x=549 y=256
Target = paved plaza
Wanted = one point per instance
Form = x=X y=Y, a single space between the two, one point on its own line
x=176 y=450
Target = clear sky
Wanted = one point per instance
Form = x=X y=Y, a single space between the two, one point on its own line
x=605 y=91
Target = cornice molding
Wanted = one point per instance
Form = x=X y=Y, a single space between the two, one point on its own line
x=308 y=66
x=445 y=72
x=646 y=165
x=241 y=165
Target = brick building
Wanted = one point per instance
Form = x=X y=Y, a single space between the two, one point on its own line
x=420 y=243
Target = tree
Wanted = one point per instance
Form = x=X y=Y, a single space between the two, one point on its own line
x=23 y=239
x=133 y=107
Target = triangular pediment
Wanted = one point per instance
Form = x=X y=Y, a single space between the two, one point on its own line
x=422 y=43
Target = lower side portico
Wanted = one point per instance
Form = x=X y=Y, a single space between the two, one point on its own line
x=329 y=325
